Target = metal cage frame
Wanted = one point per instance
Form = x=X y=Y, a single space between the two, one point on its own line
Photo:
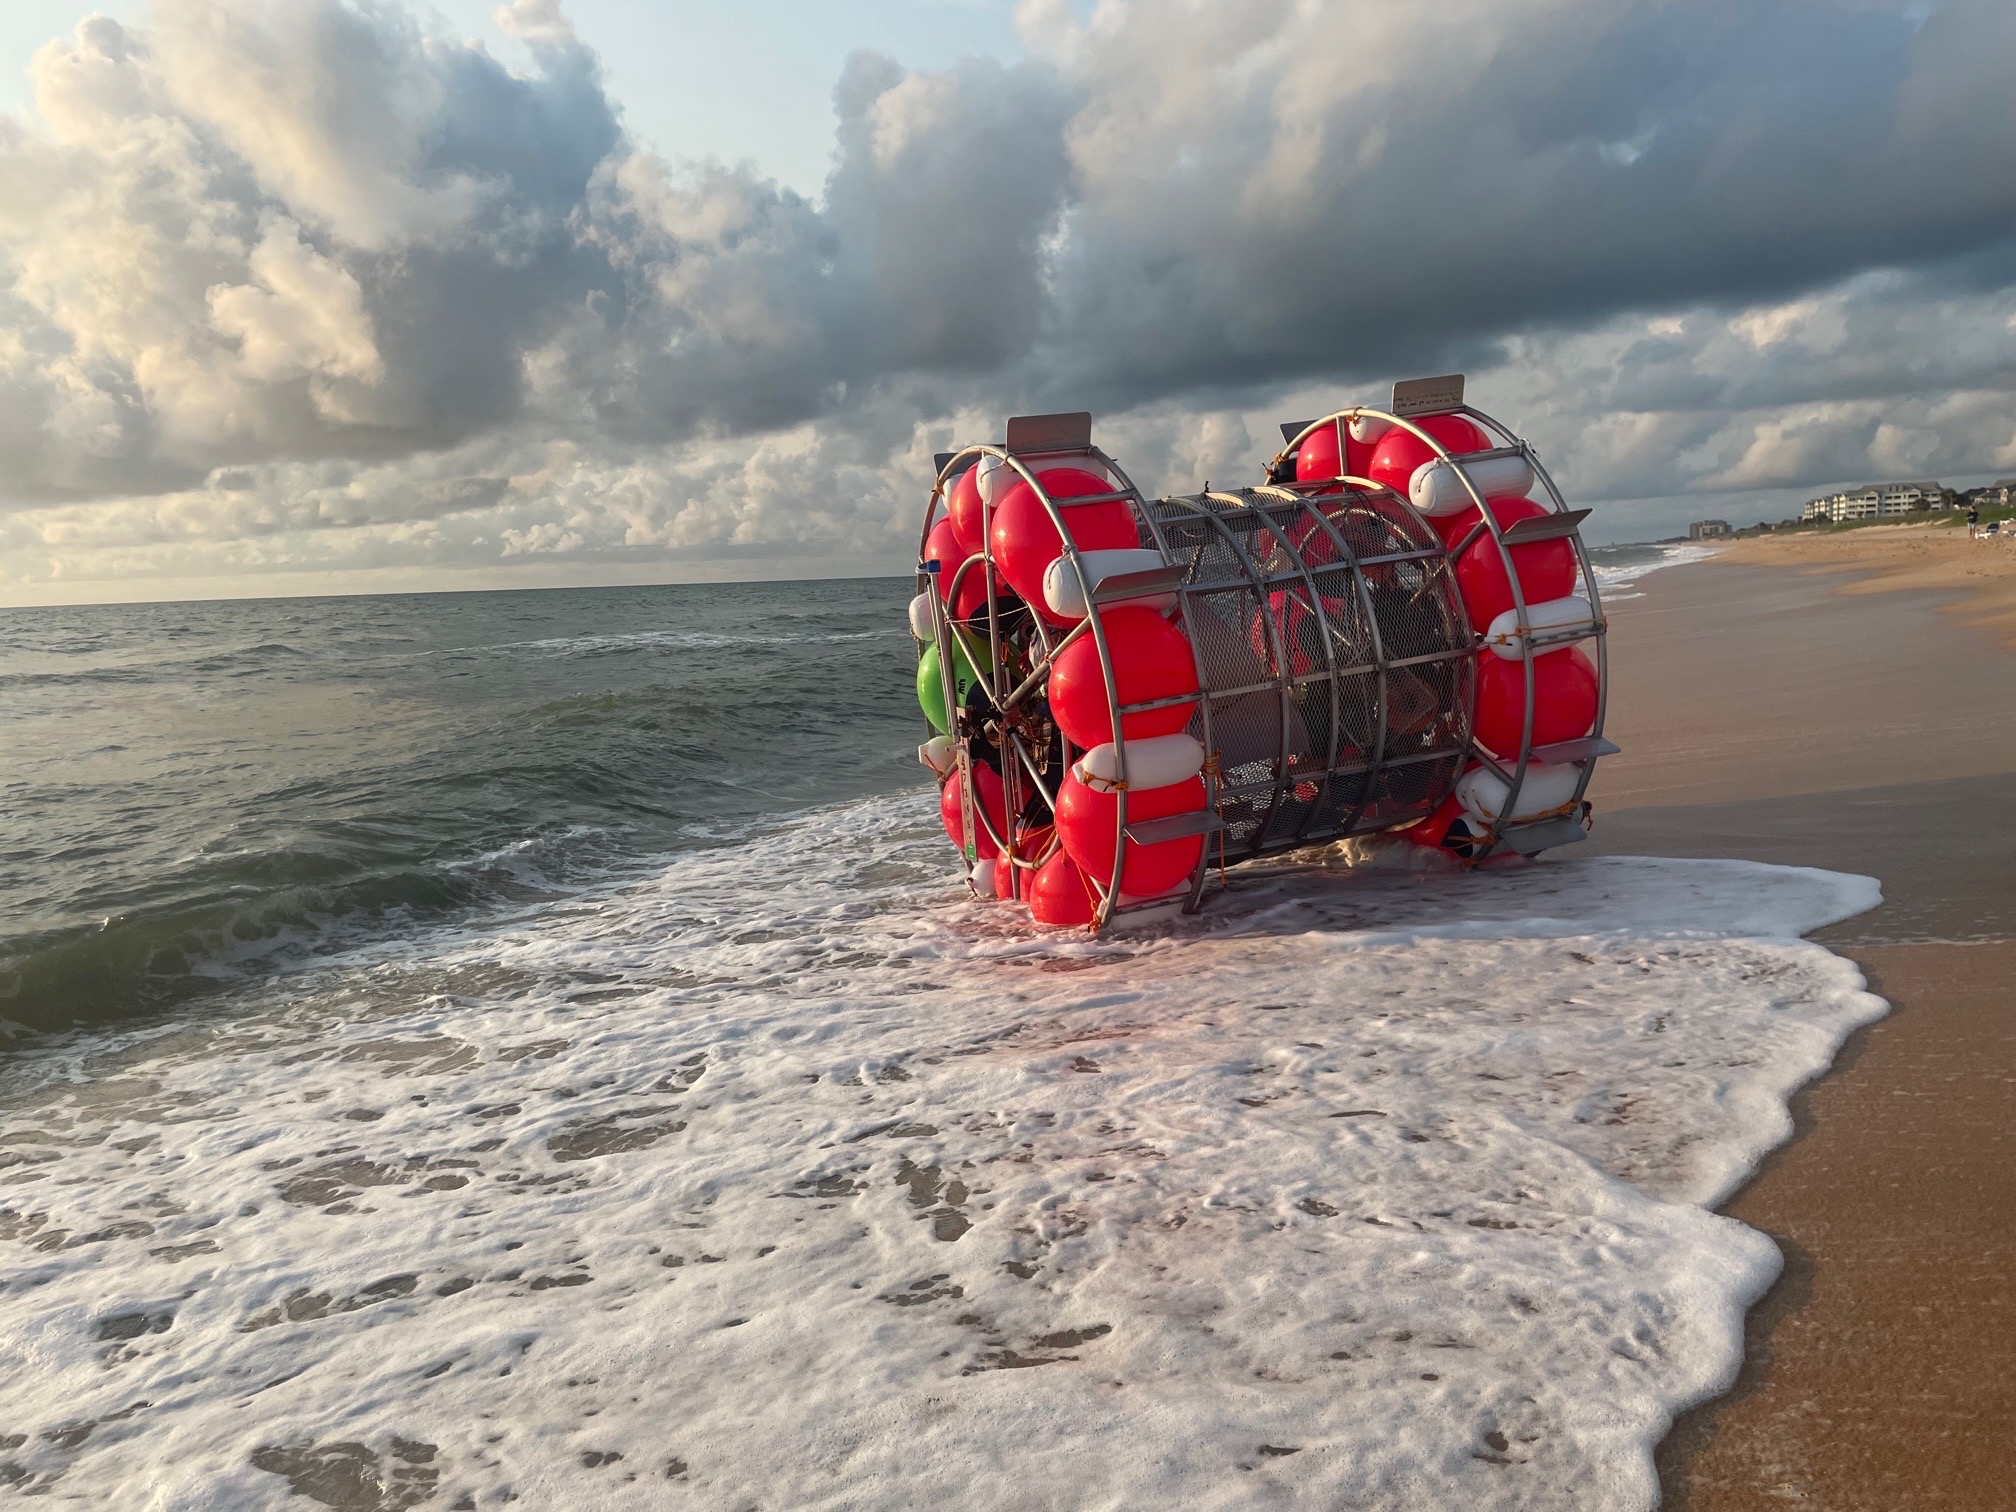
x=1220 y=518
x=1546 y=831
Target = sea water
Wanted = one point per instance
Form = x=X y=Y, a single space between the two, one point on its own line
x=1618 y=568
x=556 y=1064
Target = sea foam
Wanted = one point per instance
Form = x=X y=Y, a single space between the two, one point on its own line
x=789 y=1178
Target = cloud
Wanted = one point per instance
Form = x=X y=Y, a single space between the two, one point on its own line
x=312 y=286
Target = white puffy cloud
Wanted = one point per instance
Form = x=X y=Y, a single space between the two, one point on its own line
x=296 y=290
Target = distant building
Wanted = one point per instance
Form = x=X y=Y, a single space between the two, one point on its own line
x=1997 y=495
x=1707 y=530
x=1874 y=501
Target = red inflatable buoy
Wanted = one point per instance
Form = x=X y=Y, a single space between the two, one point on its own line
x=991 y=799
x=1546 y=568
x=1564 y=699
x=1061 y=895
x=943 y=546
x=963 y=505
x=1399 y=452
x=1026 y=541
x=1450 y=828
x=1086 y=822
x=1151 y=659
x=1317 y=461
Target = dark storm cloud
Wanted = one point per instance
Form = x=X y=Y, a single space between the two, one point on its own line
x=1338 y=189
x=293 y=286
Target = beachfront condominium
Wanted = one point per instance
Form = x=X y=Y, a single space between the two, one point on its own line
x=1876 y=500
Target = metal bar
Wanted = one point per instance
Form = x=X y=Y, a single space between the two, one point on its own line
x=1587 y=748
x=1494 y=453
x=1072 y=501
x=1304 y=510
x=1222 y=695
x=1211 y=518
x=1347 y=561
x=1549 y=528
x=1543 y=834
x=1175 y=827
x=1358 y=769
x=1149 y=705
x=1041 y=672
x=1035 y=777
x=1470 y=538
x=1274 y=638
x=1564 y=635
x=1129 y=585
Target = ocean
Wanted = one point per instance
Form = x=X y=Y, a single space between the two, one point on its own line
x=532 y=1046
x=202 y=795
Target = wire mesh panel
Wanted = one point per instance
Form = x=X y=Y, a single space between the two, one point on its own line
x=1333 y=654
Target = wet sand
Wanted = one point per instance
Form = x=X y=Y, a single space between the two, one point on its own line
x=1860 y=721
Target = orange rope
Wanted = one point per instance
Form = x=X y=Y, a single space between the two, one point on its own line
x=1218 y=807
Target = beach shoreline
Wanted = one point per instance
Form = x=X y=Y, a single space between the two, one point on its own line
x=1935 y=555
x=1856 y=713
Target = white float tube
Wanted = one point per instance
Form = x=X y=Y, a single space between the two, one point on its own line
x=940 y=753
x=1060 y=584
x=1159 y=762
x=983 y=877
x=920 y=618
x=1367 y=429
x=1435 y=488
x=1547 y=786
x=1504 y=636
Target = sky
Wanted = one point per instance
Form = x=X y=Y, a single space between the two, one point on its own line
x=304 y=296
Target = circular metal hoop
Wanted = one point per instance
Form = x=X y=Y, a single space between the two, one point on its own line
x=1583 y=752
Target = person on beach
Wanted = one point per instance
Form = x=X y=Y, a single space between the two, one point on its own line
x=1973 y=520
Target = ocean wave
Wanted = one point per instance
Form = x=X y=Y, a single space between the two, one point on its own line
x=252 y=808
x=787 y=1174
x=1616 y=579
x=231 y=919
x=129 y=668
x=676 y=640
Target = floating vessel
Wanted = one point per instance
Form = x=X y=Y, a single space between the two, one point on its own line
x=1399 y=630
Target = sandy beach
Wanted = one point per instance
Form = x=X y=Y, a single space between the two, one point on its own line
x=1856 y=712
x=1937 y=556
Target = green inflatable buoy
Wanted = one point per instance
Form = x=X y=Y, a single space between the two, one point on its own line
x=972 y=659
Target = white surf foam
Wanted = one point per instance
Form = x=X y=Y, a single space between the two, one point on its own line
x=1617 y=581
x=788 y=1178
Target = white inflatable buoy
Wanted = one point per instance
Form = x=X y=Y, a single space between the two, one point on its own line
x=985 y=884
x=994 y=477
x=940 y=753
x=1367 y=429
x=1154 y=763
x=1505 y=637
x=1547 y=786
x=1061 y=589
x=920 y=618
x=1435 y=488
